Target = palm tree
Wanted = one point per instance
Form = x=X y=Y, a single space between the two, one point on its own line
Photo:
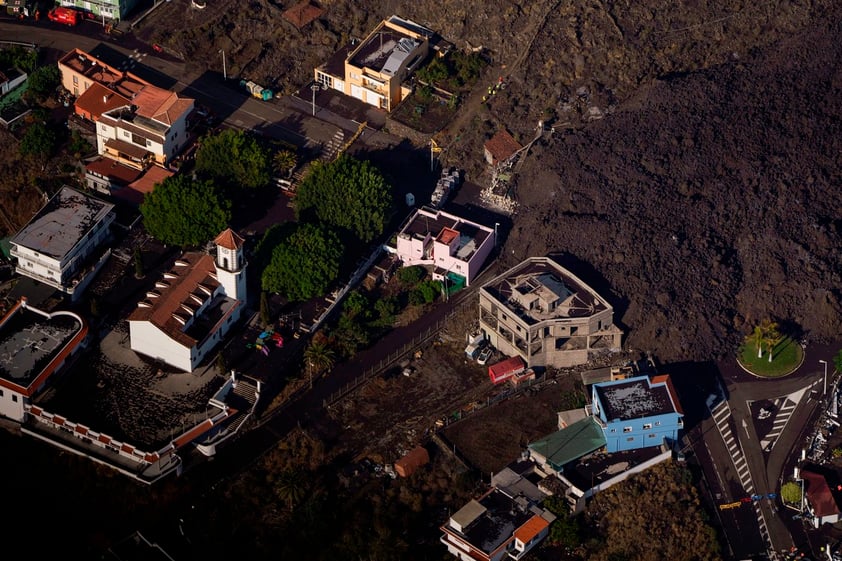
x=772 y=336
x=291 y=486
x=756 y=338
x=284 y=162
x=320 y=356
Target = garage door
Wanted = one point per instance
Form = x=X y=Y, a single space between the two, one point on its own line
x=357 y=92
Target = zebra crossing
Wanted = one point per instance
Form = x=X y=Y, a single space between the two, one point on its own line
x=333 y=145
x=721 y=415
x=131 y=60
x=784 y=408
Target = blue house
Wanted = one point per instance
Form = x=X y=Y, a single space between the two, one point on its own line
x=637 y=412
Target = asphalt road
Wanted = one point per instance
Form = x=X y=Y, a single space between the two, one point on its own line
x=285 y=118
x=763 y=526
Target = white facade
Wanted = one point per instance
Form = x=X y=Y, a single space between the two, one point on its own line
x=193 y=306
x=446 y=242
x=56 y=246
x=143 y=133
x=32 y=351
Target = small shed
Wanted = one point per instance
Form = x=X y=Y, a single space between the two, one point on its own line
x=505 y=369
x=500 y=147
x=411 y=461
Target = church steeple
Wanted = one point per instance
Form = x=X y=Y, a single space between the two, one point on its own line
x=230 y=263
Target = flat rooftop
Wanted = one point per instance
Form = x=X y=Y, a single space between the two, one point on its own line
x=29 y=341
x=634 y=398
x=444 y=227
x=384 y=51
x=547 y=281
x=62 y=223
x=127 y=115
x=594 y=469
x=493 y=520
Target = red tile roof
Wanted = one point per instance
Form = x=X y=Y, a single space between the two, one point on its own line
x=531 y=528
x=501 y=146
x=154 y=175
x=161 y=105
x=229 y=240
x=116 y=172
x=98 y=99
x=193 y=275
x=302 y=13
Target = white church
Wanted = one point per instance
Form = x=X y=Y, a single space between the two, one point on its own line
x=193 y=306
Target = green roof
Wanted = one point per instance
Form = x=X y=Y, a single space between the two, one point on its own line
x=570 y=443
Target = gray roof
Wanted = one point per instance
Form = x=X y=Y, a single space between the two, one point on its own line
x=29 y=341
x=633 y=398
x=62 y=223
x=468 y=513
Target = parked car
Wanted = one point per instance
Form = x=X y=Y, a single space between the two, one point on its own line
x=485 y=355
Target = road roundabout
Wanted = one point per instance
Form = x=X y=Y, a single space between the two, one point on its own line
x=785 y=358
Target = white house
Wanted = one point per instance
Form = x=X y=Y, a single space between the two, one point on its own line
x=63 y=245
x=152 y=128
x=496 y=527
x=34 y=345
x=192 y=307
x=454 y=247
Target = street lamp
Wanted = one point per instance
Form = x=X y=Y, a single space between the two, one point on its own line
x=825 y=376
x=316 y=86
x=224 y=70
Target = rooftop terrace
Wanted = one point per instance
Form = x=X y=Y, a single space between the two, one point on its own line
x=633 y=399
x=538 y=290
x=62 y=223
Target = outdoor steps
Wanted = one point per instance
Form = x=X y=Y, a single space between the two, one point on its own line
x=243 y=399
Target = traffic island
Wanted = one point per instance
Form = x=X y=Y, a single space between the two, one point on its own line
x=786 y=356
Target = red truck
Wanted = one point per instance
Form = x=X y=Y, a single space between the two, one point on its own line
x=66 y=16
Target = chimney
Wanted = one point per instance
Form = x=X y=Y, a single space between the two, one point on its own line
x=105 y=98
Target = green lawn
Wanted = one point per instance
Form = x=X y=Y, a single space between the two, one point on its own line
x=786 y=357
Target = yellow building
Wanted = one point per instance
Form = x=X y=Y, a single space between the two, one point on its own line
x=374 y=70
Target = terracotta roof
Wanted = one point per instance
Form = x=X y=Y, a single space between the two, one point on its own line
x=302 y=13
x=154 y=175
x=502 y=145
x=98 y=99
x=161 y=105
x=229 y=240
x=116 y=172
x=192 y=274
x=532 y=528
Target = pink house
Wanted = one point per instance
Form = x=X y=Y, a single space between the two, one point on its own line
x=455 y=248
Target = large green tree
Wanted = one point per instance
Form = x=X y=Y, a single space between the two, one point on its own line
x=234 y=159
x=44 y=80
x=347 y=193
x=305 y=264
x=39 y=141
x=185 y=212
